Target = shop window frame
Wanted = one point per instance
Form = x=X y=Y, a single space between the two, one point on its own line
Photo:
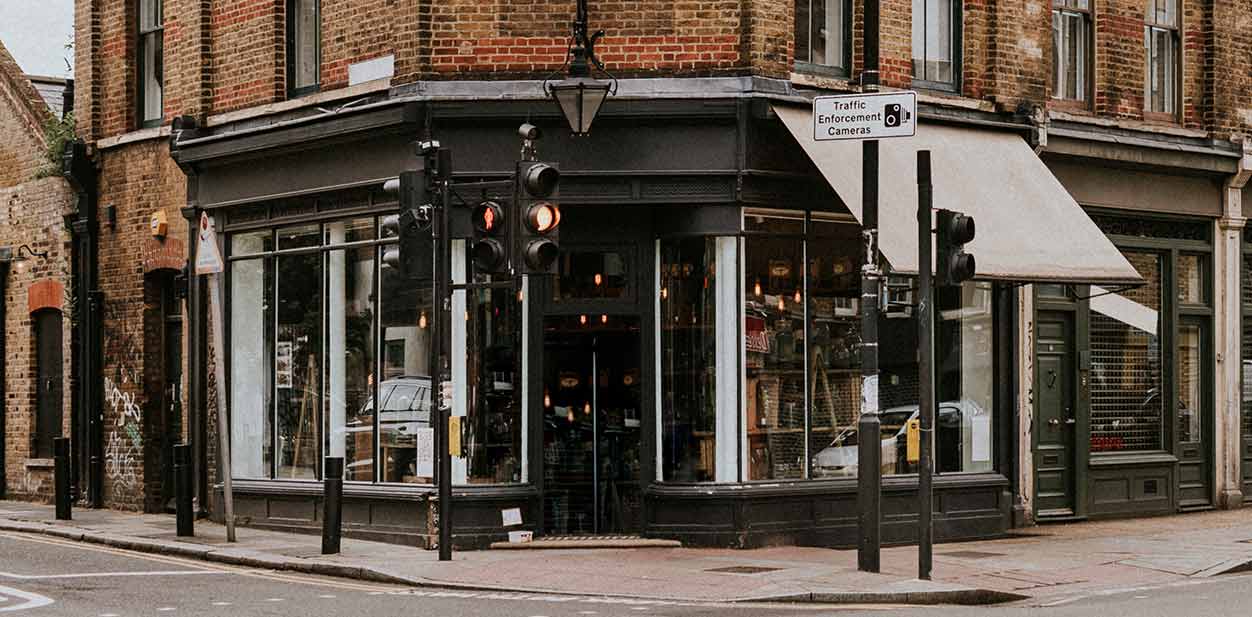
x=1172 y=313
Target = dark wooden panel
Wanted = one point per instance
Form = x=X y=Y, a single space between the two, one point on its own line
x=292 y=509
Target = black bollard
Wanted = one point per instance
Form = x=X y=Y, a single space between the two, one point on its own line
x=186 y=518
x=332 y=501
x=61 y=476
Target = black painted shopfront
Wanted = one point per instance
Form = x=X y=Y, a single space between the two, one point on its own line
x=690 y=373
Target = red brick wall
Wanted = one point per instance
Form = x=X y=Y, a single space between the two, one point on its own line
x=137 y=179
x=31 y=213
x=22 y=116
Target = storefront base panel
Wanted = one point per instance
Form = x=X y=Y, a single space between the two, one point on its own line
x=408 y=518
x=823 y=514
x=1131 y=489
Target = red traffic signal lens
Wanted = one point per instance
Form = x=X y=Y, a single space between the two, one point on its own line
x=488 y=217
x=540 y=179
x=543 y=217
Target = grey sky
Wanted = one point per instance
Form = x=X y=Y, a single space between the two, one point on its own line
x=36 y=32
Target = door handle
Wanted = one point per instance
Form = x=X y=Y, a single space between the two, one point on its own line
x=1070 y=421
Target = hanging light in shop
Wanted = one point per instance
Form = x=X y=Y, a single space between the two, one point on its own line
x=519 y=295
x=582 y=320
x=781 y=305
x=586 y=408
x=798 y=297
x=547 y=399
x=664 y=293
x=604 y=319
x=756 y=288
x=598 y=279
x=421 y=320
x=569 y=416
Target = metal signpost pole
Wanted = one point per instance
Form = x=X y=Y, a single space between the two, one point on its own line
x=925 y=365
x=869 y=466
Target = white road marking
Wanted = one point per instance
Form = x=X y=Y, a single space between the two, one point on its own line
x=165 y=609
x=109 y=615
x=32 y=600
x=273 y=599
x=326 y=596
x=31 y=577
x=221 y=604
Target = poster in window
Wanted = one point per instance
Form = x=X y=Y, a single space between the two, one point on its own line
x=282 y=364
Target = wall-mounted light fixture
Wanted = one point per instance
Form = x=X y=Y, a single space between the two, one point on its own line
x=16 y=259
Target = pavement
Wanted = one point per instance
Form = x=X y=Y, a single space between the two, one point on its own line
x=1040 y=566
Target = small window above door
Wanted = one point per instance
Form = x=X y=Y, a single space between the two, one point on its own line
x=593 y=274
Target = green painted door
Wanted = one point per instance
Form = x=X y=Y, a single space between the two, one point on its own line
x=1055 y=421
x=1194 y=415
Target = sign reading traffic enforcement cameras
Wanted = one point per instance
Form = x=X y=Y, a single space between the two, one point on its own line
x=865 y=116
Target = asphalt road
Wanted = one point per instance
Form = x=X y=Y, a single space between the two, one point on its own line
x=46 y=576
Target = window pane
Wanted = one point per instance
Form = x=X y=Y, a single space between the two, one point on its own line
x=818 y=34
x=305 y=44
x=149 y=15
x=350 y=371
x=1191 y=279
x=1126 y=402
x=493 y=437
x=251 y=242
x=352 y=230
x=933 y=40
x=151 y=71
x=833 y=32
x=688 y=359
x=299 y=236
x=591 y=275
x=919 y=39
x=802 y=31
x=1059 y=60
x=774 y=339
x=404 y=390
x=1190 y=382
x=251 y=384
x=298 y=361
x=834 y=383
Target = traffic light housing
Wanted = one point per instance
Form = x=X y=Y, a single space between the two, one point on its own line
x=953 y=265
x=489 y=220
x=413 y=255
x=538 y=217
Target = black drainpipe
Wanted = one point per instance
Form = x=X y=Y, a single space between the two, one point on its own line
x=86 y=419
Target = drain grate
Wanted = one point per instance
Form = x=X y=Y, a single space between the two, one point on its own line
x=971 y=554
x=743 y=570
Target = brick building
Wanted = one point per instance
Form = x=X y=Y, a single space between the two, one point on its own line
x=693 y=373
x=37 y=305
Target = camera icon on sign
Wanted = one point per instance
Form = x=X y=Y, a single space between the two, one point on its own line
x=894 y=115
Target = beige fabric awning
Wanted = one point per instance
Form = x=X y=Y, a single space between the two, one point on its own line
x=1029 y=228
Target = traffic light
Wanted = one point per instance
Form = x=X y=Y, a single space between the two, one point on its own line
x=413 y=256
x=490 y=224
x=954 y=266
x=538 y=216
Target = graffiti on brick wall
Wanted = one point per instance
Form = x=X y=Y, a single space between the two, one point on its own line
x=122 y=452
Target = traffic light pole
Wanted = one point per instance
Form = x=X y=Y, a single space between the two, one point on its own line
x=439 y=328
x=925 y=367
x=869 y=451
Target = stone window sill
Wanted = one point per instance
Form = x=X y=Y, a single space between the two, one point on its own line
x=40 y=463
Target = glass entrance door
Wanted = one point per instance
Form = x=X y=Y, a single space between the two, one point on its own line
x=592 y=406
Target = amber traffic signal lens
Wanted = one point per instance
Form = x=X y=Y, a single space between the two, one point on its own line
x=543 y=217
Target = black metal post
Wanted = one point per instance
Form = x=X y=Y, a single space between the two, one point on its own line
x=869 y=454
x=332 y=504
x=443 y=300
x=61 y=476
x=925 y=367
x=183 y=488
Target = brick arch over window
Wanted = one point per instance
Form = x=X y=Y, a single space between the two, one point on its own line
x=45 y=294
x=167 y=254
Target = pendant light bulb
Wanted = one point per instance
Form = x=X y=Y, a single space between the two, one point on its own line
x=781 y=305
x=586 y=408
x=421 y=320
x=756 y=288
x=547 y=399
x=598 y=279
x=798 y=297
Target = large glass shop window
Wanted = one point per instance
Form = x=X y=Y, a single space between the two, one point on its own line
x=688 y=333
x=802 y=348
x=330 y=356
x=1126 y=403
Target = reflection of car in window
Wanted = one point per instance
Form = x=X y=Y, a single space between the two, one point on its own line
x=405 y=409
x=839 y=459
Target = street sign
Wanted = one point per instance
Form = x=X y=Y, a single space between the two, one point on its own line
x=208 y=257
x=865 y=116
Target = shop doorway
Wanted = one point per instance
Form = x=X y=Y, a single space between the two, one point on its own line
x=1056 y=423
x=49 y=367
x=592 y=406
x=1194 y=414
